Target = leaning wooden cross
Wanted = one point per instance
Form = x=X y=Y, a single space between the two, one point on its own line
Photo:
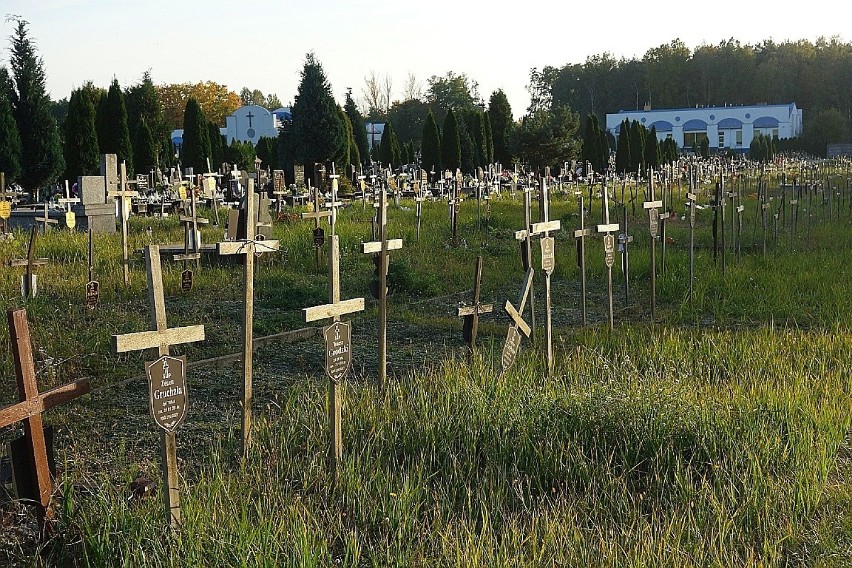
x=380 y=249
x=29 y=282
x=518 y=325
x=249 y=247
x=29 y=409
x=166 y=377
x=472 y=312
x=338 y=345
x=124 y=196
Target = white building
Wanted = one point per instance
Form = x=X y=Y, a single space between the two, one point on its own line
x=247 y=124
x=728 y=127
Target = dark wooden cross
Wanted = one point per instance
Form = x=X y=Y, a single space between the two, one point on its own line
x=29 y=282
x=333 y=310
x=124 y=196
x=161 y=337
x=45 y=220
x=380 y=250
x=29 y=409
x=580 y=237
x=471 y=313
x=607 y=229
x=653 y=208
x=249 y=247
x=316 y=215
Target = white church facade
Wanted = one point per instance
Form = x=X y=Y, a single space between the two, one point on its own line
x=728 y=127
x=249 y=123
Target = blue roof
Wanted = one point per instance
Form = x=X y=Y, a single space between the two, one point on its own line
x=661 y=126
x=727 y=123
x=694 y=124
x=788 y=106
x=766 y=122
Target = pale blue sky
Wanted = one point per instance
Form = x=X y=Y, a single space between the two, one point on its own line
x=262 y=43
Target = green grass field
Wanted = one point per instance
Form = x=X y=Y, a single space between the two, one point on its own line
x=716 y=435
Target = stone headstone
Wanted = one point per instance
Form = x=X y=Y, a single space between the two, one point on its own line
x=109 y=168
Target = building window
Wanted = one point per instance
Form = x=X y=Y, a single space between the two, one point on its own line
x=721 y=139
x=775 y=133
x=739 y=137
x=693 y=139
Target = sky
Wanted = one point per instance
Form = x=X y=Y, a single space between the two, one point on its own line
x=261 y=44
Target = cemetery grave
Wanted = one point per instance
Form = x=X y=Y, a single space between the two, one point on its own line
x=641 y=431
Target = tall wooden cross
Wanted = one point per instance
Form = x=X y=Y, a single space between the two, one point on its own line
x=45 y=220
x=29 y=283
x=653 y=208
x=191 y=234
x=68 y=201
x=248 y=247
x=419 y=198
x=316 y=215
x=664 y=214
x=338 y=346
x=210 y=175
x=472 y=312
x=161 y=337
x=607 y=229
x=691 y=202
x=624 y=240
x=124 y=196
x=334 y=204
x=548 y=262
x=580 y=237
x=29 y=409
x=454 y=201
x=518 y=325
x=380 y=249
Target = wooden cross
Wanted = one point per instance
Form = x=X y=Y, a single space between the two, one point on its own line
x=334 y=309
x=334 y=203
x=518 y=325
x=526 y=247
x=653 y=208
x=211 y=175
x=29 y=409
x=665 y=214
x=68 y=201
x=316 y=215
x=607 y=229
x=548 y=262
x=46 y=220
x=419 y=198
x=29 y=282
x=123 y=195
x=580 y=237
x=380 y=250
x=161 y=337
x=472 y=312
x=248 y=247
x=691 y=202
x=454 y=201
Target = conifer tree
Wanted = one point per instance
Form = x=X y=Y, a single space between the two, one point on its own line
x=267 y=151
x=318 y=134
x=217 y=145
x=359 y=130
x=343 y=158
x=652 y=158
x=81 y=141
x=622 y=150
x=144 y=150
x=117 y=133
x=41 y=148
x=10 y=140
x=489 y=138
x=637 y=147
x=500 y=113
x=468 y=148
x=430 y=150
x=389 y=152
x=450 y=142
x=196 y=142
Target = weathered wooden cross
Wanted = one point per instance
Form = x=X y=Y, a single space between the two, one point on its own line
x=124 y=196
x=29 y=409
x=653 y=208
x=29 y=282
x=316 y=215
x=192 y=235
x=248 y=247
x=472 y=312
x=580 y=238
x=548 y=262
x=338 y=346
x=525 y=239
x=518 y=325
x=380 y=250
x=161 y=337
x=608 y=229
x=45 y=220
x=70 y=218
x=691 y=199
x=624 y=240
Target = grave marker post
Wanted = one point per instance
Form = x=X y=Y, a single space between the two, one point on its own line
x=70 y=218
x=652 y=206
x=45 y=220
x=608 y=229
x=316 y=215
x=691 y=198
x=29 y=282
x=513 y=335
x=471 y=313
x=548 y=263
x=29 y=408
x=123 y=195
x=162 y=338
x=249 y=247
x=525 y=239
x=580 y=237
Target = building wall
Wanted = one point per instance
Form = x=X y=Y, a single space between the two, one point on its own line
x=731 y=127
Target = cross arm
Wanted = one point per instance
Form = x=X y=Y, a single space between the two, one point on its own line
x=376 y=246
x=608 y=228
x=151 y=339
x=545 y=227
x=470 y=310
x=24 y=262
x=580 y=233
x=44 y=401
x=652 y=204
x=326 y=311
x=199 y=220
x=243 y=247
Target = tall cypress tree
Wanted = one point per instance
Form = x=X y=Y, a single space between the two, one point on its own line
x=450 y=142
x=389 y=151
x=10 y=140
x=81 y=140
x=143 y=105
x=217 y=145
x=637 y=147
x=652 y=154
x=430 y=149
x=144 y=149
x=344 y=155
x=500 y=113
x=590 y=152
x=622 y=151
x=267 y=151
x=489 y=138
x=196 y=142
x=41 y=148
x=359 y=130
x=468 y=148
x=117 y=135
x=318 y=134
x=476 y=128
